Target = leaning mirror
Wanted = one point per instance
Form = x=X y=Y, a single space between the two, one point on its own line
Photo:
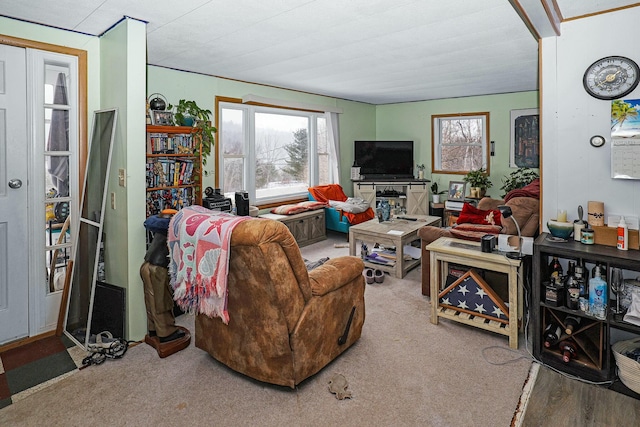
x=85 y=265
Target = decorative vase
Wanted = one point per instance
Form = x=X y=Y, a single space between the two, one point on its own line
x=385 y=209
x=421 y=174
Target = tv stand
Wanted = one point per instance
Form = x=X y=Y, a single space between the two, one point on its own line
x=411 y=193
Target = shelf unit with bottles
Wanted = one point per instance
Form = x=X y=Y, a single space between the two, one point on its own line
x=173 y=168
x=593 y=336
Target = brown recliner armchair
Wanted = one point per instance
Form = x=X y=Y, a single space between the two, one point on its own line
x=285 y=323
x=526 y=211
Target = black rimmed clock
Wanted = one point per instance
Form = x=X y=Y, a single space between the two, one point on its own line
x=612 y=77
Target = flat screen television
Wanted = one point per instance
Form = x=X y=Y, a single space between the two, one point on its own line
x=384 y=159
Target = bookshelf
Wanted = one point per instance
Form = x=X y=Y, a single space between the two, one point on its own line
x=173 y=168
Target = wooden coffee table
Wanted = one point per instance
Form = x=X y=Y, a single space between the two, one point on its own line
x=397 y=232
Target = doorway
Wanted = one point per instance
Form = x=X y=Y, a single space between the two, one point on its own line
x=38 y=181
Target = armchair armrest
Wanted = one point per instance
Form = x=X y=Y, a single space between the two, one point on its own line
x=334 y=274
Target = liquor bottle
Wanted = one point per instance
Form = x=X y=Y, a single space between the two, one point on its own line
x=581 y=274
x=599 y=267
x=571 y=269
x=552 y=334
x=572 y=299
x=571 y=323
x=556 y=270
x=597 y=296
x=569 y=350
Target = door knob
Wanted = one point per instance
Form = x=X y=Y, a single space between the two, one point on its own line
x=15 y=183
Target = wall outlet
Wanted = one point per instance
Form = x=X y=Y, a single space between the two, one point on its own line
x=113 y=200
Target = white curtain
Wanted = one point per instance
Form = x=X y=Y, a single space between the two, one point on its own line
x=334 y=143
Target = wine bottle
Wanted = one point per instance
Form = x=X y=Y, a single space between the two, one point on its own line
x=569 y=350
x=571 y=323
x=552 y=334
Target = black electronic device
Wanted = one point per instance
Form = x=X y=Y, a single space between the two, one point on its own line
x=216 y=201
x=242 y=203
x=487 y=243
x=384 y=159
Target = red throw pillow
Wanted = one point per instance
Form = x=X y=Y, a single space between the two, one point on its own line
x=472 y=215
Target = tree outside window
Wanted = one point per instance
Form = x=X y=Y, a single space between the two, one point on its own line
x=459 y=142
x=272 y=153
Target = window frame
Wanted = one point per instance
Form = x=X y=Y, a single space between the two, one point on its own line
x=436 y=145
x=249 y=156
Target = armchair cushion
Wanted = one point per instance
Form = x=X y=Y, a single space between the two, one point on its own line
x=334 y=274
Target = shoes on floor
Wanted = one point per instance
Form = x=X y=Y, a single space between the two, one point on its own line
x=369 y=275
x=378 y=276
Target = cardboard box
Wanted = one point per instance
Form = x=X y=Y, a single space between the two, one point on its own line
x=608 y=236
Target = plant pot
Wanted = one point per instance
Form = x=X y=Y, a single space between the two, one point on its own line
x=435 y=198
x=188 y=121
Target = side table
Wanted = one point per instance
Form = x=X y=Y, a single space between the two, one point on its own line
x=447 y=250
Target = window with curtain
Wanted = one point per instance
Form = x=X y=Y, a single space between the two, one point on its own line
x=460 y=142
x=274 y=154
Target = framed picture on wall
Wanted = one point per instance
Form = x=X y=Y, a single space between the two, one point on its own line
x=525 y=138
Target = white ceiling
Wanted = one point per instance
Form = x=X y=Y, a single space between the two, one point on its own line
x=374 y=51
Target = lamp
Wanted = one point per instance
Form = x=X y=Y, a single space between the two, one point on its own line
x=506 y=213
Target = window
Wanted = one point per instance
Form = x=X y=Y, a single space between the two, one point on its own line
x=265 y=151
x=459 y=142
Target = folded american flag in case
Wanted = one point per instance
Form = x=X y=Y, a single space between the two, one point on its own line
x=471 y=294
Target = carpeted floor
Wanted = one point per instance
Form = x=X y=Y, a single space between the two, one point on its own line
x=404 y=371
x=34 y=366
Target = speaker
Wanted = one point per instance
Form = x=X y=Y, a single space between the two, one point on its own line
x=242 y=203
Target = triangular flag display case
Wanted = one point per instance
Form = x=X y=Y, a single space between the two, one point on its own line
x=470 y=294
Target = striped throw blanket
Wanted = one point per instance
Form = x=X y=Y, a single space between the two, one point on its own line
x=199 y=242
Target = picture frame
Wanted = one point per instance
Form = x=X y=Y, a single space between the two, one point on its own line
x=161 y=118
x=524 y=149
x=457 y=190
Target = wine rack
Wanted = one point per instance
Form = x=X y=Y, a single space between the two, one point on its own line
x=593 y=336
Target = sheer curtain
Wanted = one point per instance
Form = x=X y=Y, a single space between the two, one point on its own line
x=334 y=143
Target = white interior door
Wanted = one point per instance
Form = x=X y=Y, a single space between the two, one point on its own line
x=14 y=239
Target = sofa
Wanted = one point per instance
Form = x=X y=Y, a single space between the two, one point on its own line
x=525 y=208
x=285 y=323
x=338 y=216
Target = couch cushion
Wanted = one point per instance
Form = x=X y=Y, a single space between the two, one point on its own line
x=298 y=208
x=474 y=231
x=472 y=215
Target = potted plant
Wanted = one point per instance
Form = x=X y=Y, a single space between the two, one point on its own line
x=435 y=194
x=478 y=181
x=188 y=113
x=518 y=179
x=420 y=168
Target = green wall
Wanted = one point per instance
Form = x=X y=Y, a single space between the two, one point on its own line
x=412 y=120
x=356 y=121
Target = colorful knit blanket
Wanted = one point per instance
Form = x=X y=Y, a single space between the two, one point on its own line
x=199 y=243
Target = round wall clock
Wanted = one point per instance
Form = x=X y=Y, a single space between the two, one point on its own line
x=611 y=78
x=597 y=141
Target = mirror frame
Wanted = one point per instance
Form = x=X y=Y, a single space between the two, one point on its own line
x=89 y=230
